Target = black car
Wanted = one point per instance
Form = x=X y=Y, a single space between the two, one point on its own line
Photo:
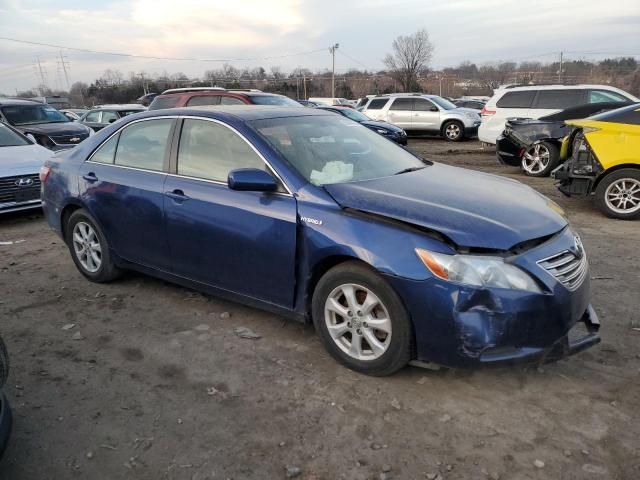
x=474 y=104
x=5 y=410
x=46 y=125
x=387 y=130
x=104 y=115
x=534 y=144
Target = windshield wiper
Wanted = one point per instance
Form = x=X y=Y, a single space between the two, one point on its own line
x=407 y=170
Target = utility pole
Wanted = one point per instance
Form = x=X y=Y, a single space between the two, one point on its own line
x=298 y=85
x=64 y=64
x=440 y=85
x=304 y=84
x=43 y=83
x=560 y=70
x=332 y=50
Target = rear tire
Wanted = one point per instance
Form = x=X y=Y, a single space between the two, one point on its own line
x=361 y=320
x=4 y=363
x=453 y=131
x=540 y=159
x=89 y=248
x=618 y=194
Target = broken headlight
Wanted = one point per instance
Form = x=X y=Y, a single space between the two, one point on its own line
x=477 y=271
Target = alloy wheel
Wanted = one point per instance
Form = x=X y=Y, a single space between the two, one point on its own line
x=87 y=247
x=452 y=131
x=623 y=196
x=358 y=322
x=536 y=159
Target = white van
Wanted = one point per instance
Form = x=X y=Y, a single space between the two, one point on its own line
x=535 y=101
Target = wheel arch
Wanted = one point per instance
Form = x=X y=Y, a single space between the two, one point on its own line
x=457 y=120
x=606 y=173
x=66 y=213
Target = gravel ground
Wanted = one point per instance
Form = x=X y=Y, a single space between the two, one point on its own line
x=145 y=380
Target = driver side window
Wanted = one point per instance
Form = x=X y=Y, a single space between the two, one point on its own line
x=210 y=151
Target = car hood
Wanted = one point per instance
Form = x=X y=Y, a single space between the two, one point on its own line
x=62 y=128
x=473 y=209
x=385 y=125
x=22 y=160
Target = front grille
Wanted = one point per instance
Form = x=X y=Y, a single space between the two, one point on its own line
x=68 y=139
x=10 y=191
x=567 y=268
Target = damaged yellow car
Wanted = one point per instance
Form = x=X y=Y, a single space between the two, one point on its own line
x=603 y=160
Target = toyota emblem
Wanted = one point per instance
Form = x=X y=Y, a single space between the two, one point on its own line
x=24 y=182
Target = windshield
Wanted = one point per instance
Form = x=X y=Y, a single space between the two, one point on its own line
x=30 y=114
x=124 y=113
x=355 y=115
x=279 y=100
x=9 y=138
x=443 y=103
x=330 y=149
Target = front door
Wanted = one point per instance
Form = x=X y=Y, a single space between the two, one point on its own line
x=122 y=187
x=243 y=242
x=426 y=115
x=400 y=112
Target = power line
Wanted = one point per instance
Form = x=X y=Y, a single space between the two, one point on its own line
x=353 y=59
x=131 y=55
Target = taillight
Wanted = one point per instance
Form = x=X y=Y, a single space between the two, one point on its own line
x=487 y=111
x=44 y=173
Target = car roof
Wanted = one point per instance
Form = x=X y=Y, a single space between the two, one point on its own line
x=241 y=112
x=121 y=106
x=19 y=101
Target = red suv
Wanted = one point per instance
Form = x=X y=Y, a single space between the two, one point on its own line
x=198 y=96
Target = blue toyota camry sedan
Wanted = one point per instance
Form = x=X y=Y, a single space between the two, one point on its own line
x=394 y=258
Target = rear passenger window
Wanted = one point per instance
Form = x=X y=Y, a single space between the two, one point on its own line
x=377 y=104
x=106 y=152
x=522 y=99
x=402 y=104
x=603 y=96
x=209 y=150
x=203 y=100
x=143 y=144
x=92 y=117
x=560 y=99
x=167 y=102
x=231 y=101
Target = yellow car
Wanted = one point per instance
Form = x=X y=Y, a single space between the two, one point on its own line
x=603 y=159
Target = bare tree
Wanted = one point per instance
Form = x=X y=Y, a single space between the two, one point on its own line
x=411 y=56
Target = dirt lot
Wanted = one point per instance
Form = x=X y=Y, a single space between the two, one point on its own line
x=152 y=383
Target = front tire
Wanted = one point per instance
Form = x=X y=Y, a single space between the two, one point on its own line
x=618 y=194
x=540 y=159
x=453 y=131
x=89 y=248
x=361 y=320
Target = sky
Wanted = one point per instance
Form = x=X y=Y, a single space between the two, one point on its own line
x=284 y=32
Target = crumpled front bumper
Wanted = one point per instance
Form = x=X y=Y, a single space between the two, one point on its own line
x=462 y=326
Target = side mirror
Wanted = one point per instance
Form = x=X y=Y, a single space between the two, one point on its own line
x=251 y=180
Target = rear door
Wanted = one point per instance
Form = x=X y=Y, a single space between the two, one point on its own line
x=375 y=108
x=400 y=112
x=243 y=242
x=426 y=115
x=122 y=185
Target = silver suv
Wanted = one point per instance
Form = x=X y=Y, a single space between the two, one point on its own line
x=424 y=113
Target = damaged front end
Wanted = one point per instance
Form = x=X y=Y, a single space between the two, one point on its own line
x=577 y=176
x=465 y=325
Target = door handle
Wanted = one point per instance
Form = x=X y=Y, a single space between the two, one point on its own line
x=90 y=177
x=177 y=195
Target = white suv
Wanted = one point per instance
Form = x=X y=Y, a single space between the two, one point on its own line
x=535 y=101
x=425 y=113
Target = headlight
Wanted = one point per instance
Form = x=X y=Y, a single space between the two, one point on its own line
x=382 y=131
x=472 y=116
x=478 y=271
